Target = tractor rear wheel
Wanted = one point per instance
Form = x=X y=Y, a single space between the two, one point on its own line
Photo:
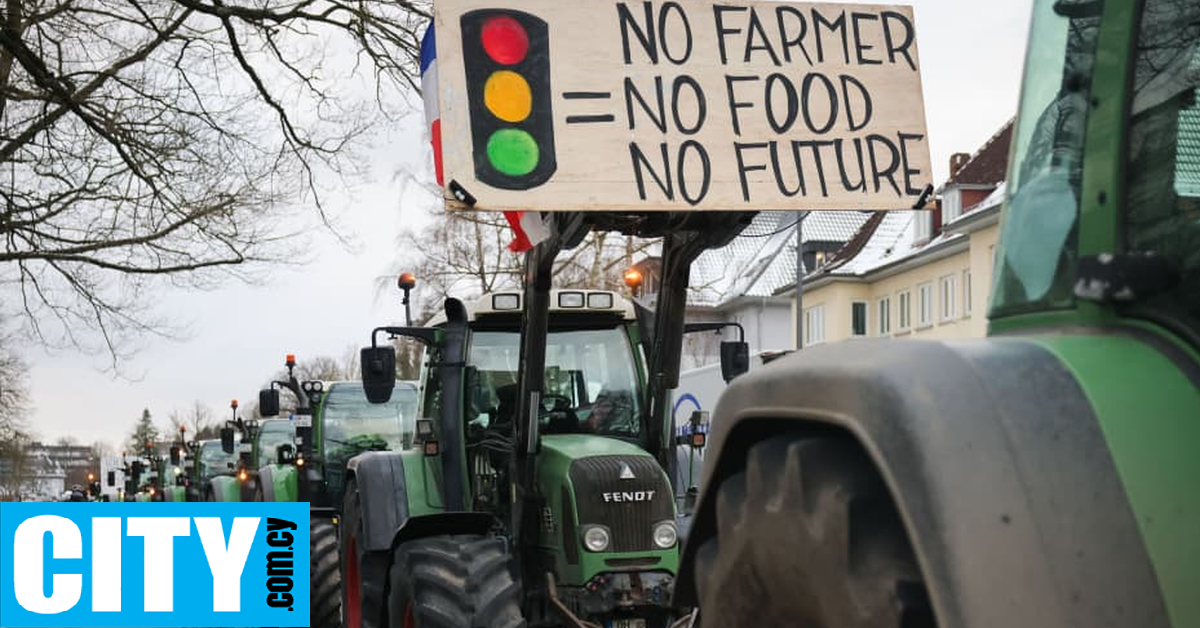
x=325 y=576
x=808 y=535
x=452 y=582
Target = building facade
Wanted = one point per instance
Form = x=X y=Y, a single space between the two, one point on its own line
x=916 y=274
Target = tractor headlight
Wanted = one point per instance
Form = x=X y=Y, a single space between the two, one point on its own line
x=665 y=535
x=595 y=538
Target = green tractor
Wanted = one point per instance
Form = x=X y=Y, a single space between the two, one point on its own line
x=565 y=517
x=208 y=460
x=333 y=424
x=1045 y=476
x=174 y=471
x=254 y=443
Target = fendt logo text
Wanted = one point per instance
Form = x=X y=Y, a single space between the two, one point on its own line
x=154 y=564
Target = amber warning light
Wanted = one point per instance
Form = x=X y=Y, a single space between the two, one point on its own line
x=633 y=278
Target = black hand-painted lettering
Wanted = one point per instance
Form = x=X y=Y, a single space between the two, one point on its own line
x=754 y=27
x=738 y=147
x=864 y=97
x=792 y=109
x=909 y=173
x=734 y=103
x=682 y=171
x=657 y=115
x=815 y=145
x=719 y=12
x=888 y=172
x=807 y=96
x=837 y=28
x=777 y=167
x=666 y=10
x=701 y=106
x=639 y=161
x=839 y=150
x=787 y=40
x=860 y=47
x=891 y=19
x=644 y=35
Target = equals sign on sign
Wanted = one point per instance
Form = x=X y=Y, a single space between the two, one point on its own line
x=585 y=119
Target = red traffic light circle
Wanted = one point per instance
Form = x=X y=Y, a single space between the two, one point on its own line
x=505 y=40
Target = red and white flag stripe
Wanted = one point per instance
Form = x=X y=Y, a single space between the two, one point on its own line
x=528 y=227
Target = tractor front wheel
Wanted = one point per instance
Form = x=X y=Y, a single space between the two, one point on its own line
x=808 y=535
x=325 y=593
x=454 y=581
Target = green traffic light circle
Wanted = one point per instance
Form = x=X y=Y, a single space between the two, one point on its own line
x=513 y=152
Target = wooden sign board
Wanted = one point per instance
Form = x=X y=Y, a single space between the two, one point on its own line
x=572 y=105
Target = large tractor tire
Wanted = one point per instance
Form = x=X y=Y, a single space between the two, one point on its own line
x=453 y=582
x=325 y=575
x=808 y=535
x=360 y=592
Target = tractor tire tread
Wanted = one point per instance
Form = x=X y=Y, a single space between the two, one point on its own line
x=326 y=576
x=460 y=581
x=807 y=533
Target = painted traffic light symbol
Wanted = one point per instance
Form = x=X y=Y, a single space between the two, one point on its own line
x=507 y=59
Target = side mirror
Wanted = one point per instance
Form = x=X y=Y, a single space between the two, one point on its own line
x=285 y=454
x=112 y=478
x=268 y=402
x=735 y=359
x=227 y=440
x=175 y=458
x=378 y=373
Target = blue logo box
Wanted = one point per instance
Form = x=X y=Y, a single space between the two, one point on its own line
x=79 y=565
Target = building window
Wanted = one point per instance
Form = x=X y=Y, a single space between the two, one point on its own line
x=924 y=229
x=925 y=305
x=814 y=325
x=858 y=318
x=885 y=316
x=967 y=292
x=951 y=205
x=905 y=316
x=948 y=302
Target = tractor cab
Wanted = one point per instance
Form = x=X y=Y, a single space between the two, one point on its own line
x=606 y=538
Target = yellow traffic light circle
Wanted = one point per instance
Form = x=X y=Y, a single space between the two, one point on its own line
x=507 y=96
x=513 y=152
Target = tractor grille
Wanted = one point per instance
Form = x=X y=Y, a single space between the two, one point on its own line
x=628 y=507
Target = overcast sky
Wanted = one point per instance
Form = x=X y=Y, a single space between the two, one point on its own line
x=970 y=52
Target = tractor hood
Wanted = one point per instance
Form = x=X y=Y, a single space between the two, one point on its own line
x=596 y=480
x=574 y=446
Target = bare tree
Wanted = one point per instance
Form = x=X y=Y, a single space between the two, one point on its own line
x=14 y=394
x=171 y=141
x=465 y=254
x=197 y=421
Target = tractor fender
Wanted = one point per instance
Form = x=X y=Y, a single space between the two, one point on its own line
x=996 y=462
x=382 y=496
x=266 y=479
x=226 y=488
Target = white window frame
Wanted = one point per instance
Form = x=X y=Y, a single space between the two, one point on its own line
x=866 y=319
x=883 y=311
x=924 y=230
x=947 y=306
x=967 y=309
x=904 y=303
x=814 y=325
x=951 y=205
x=925 y=305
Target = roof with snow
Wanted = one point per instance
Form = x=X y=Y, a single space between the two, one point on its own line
x=762 y=260
x=989 y=164
x=888 y=239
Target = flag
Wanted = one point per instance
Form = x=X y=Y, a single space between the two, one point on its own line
x=528 y=227
x=429 y=93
